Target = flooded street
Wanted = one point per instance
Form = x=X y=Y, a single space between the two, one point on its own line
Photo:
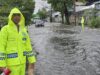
x=66 y=50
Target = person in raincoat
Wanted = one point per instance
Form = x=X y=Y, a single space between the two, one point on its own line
x=15 y=45
x=82 y=23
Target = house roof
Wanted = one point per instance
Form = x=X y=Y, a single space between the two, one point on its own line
x=82 y=8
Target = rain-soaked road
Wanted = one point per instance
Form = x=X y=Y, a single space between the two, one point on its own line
x=66 y=50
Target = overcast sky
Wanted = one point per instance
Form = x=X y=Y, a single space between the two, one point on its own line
x=39 y=4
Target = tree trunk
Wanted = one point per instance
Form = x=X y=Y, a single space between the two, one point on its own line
x=66 y=14
x=62 y=15
x=51 y=15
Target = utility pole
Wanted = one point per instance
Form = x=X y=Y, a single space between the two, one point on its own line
x=51 y=14
x=74 y=11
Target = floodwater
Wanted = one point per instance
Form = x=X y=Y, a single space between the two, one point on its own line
x=66 y=50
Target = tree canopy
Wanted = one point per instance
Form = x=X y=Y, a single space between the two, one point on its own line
x=26 y=7
x=42 y=13
x=62 y=6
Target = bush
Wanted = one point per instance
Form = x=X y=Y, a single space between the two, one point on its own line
x=3 y=21
x=94 y=22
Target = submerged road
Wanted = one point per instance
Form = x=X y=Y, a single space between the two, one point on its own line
x=66 y=50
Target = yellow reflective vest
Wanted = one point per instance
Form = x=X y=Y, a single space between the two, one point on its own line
x=82 y=20
x=15 y=46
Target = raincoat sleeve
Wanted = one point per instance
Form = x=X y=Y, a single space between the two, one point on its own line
x=30 y=55
x=3 y=41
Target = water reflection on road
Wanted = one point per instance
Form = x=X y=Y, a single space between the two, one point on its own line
x=65 y=50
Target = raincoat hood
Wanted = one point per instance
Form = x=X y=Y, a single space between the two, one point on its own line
x=22 y=20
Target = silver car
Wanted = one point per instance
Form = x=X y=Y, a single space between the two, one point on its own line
x=39 y=23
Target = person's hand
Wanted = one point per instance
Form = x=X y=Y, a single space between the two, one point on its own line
x=31 y=69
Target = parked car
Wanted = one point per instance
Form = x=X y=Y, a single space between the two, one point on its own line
x=39 y=23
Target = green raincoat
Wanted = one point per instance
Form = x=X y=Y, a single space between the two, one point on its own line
x=15 y=46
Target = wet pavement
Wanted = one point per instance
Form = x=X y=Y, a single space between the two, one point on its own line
x=66 y=50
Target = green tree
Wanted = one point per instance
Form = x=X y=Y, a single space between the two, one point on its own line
x=62 y=6
x=26 y=6
x=42 y=13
